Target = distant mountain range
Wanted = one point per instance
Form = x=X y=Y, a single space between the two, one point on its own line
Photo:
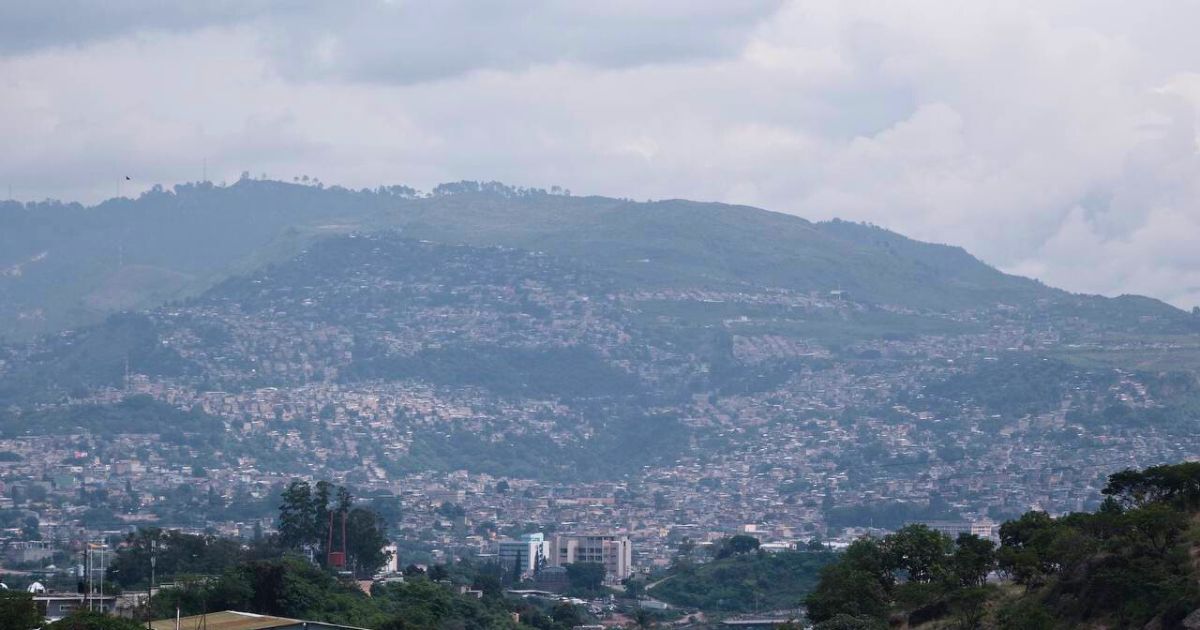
x=63 y=265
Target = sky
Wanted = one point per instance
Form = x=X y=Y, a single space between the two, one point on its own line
x=1056 y=140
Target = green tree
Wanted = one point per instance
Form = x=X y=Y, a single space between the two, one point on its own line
x=344 y=499
x=30 y=528
x=297 y=516
x=568 y=615
x=84 y=620
x=18 y=611
x=1025 y=547
x=451 y=510
x=920 y=551
x=738 y=544
x=744 y=582
x=438 y=572
x=969 y=606
x=1156 y=527
x=1024 y=566
x=974 y=557
x=1178 y=484
x=365 y=541
x=321 y=521
x=175 y=553
x=585 y=576
x=1024 y=614
x=847 y=590
x=850 y=622
x=412 y=571
x=869 y=555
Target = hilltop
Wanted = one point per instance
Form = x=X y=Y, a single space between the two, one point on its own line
x=64 y=264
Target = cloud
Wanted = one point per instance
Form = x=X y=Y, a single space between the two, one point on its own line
x=27 y=26
x=404 y=42
x=1057 y=141
x=395 y=41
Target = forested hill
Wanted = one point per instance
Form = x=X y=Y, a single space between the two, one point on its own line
x=62 y=264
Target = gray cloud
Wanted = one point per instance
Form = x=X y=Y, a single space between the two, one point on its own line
x=405 y=42
x=1056 y=141
x=34 y=25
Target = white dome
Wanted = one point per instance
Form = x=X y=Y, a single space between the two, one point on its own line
x=36 y=587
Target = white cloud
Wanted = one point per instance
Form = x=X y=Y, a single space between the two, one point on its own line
x=1058 y=141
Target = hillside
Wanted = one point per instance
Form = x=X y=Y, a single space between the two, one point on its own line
x=840 y=374
x=62 y=265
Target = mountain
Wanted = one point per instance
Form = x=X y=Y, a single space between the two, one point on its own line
x=62 y=265
x=540 y=336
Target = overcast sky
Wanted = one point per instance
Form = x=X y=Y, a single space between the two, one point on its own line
x=1055 y=140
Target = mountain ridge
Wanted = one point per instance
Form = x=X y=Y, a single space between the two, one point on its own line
x=189 y=239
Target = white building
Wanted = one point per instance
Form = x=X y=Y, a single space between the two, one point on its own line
x=393 y=559
x=986 y=528
x=523 y=557
x=613 y=551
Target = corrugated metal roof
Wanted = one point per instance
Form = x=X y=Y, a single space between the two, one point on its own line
x=235 y=621
x=226 y=620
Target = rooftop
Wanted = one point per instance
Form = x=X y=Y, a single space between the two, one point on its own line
x=233 y=620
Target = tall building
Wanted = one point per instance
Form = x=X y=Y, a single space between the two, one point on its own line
x=524 y=557
x=613 y=551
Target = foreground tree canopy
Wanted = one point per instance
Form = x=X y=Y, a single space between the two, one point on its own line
x=1126 y=565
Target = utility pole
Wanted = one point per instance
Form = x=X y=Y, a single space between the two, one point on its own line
x=150 y=590
x=87 y=561
x=102 y=580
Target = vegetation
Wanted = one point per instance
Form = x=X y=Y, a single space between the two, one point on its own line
x=1014 y=387
x=304 y=519
x=134 y=414
x=292 y=587
x=585 y=578
x=743 y=578
x=574 y=371
x=885 y=514
x=312 y=518
x=126 y=254
x=84 y=620
x=177 y=554
x=17 y=611
x=1126 y=565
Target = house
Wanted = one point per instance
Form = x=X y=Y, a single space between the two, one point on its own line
x=55 y=606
